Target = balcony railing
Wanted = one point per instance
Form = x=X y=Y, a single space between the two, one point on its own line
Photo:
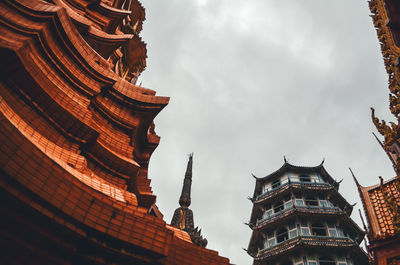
x=276 y=190
x=319 y=241
x=288 y=211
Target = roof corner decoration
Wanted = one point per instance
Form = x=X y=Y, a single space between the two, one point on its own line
x=391 y=143
x=385 y=15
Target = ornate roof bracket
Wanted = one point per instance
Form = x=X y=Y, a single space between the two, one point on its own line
x=391 y=143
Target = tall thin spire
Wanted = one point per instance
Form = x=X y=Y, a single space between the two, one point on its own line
x=183 y=216
x=185 y=200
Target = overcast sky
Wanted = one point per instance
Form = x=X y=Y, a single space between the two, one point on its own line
x=250 y=82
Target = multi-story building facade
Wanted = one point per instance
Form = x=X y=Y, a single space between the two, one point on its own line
x=300 y=218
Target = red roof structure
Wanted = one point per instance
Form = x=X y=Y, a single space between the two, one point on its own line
x=76 y=136
x=382 y=201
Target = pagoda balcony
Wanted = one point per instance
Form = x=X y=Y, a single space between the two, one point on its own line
x=307 y=209
x=304 y=241
x=292 y=184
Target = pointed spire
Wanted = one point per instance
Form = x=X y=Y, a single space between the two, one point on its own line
x=184 y=200
x=284 y=159
x=183 y=216
x=356 y=181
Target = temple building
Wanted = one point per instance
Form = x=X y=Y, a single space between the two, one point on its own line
x=76 y=135
x=381 y=201
x=300 y=218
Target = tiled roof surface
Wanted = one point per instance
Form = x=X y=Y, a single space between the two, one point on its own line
x=180 y=233
x=382 y=204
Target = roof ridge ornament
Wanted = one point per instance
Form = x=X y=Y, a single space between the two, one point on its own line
x=391 y=143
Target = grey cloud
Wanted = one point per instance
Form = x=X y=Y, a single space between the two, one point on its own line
x=251 y=81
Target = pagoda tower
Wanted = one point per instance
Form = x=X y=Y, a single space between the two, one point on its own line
x=300 y=218
x=183 y=216
x=77 y=135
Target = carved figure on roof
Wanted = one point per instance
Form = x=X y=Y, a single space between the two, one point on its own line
x=391 y=144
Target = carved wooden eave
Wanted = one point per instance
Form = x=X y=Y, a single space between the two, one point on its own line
x=137 y=15
x=136 y=54
x=56 y=84
x=386 y=26
x=107 y=18
x=106 y=36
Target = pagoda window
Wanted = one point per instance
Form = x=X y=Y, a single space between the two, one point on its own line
x=294 y=178
x=324 y=260
x=282 y=235
x=268 y=211
x=311 y=201
x=318 y=229
x=265 y=243
x=332 y=229
x=278 y=207
x=299 y=202
x=332 y=232
x=340 y=232
x=271 y=242
x=266 y=188
x=288 y=204
x=305 y=178
x=284 y=180
x=292 y=230
x=305 y=230
x=276 y=184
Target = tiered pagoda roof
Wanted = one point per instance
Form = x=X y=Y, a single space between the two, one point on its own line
x=76 y=138
x=268 y=215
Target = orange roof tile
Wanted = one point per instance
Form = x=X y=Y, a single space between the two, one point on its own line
x=382 y=204
x=180 y=234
